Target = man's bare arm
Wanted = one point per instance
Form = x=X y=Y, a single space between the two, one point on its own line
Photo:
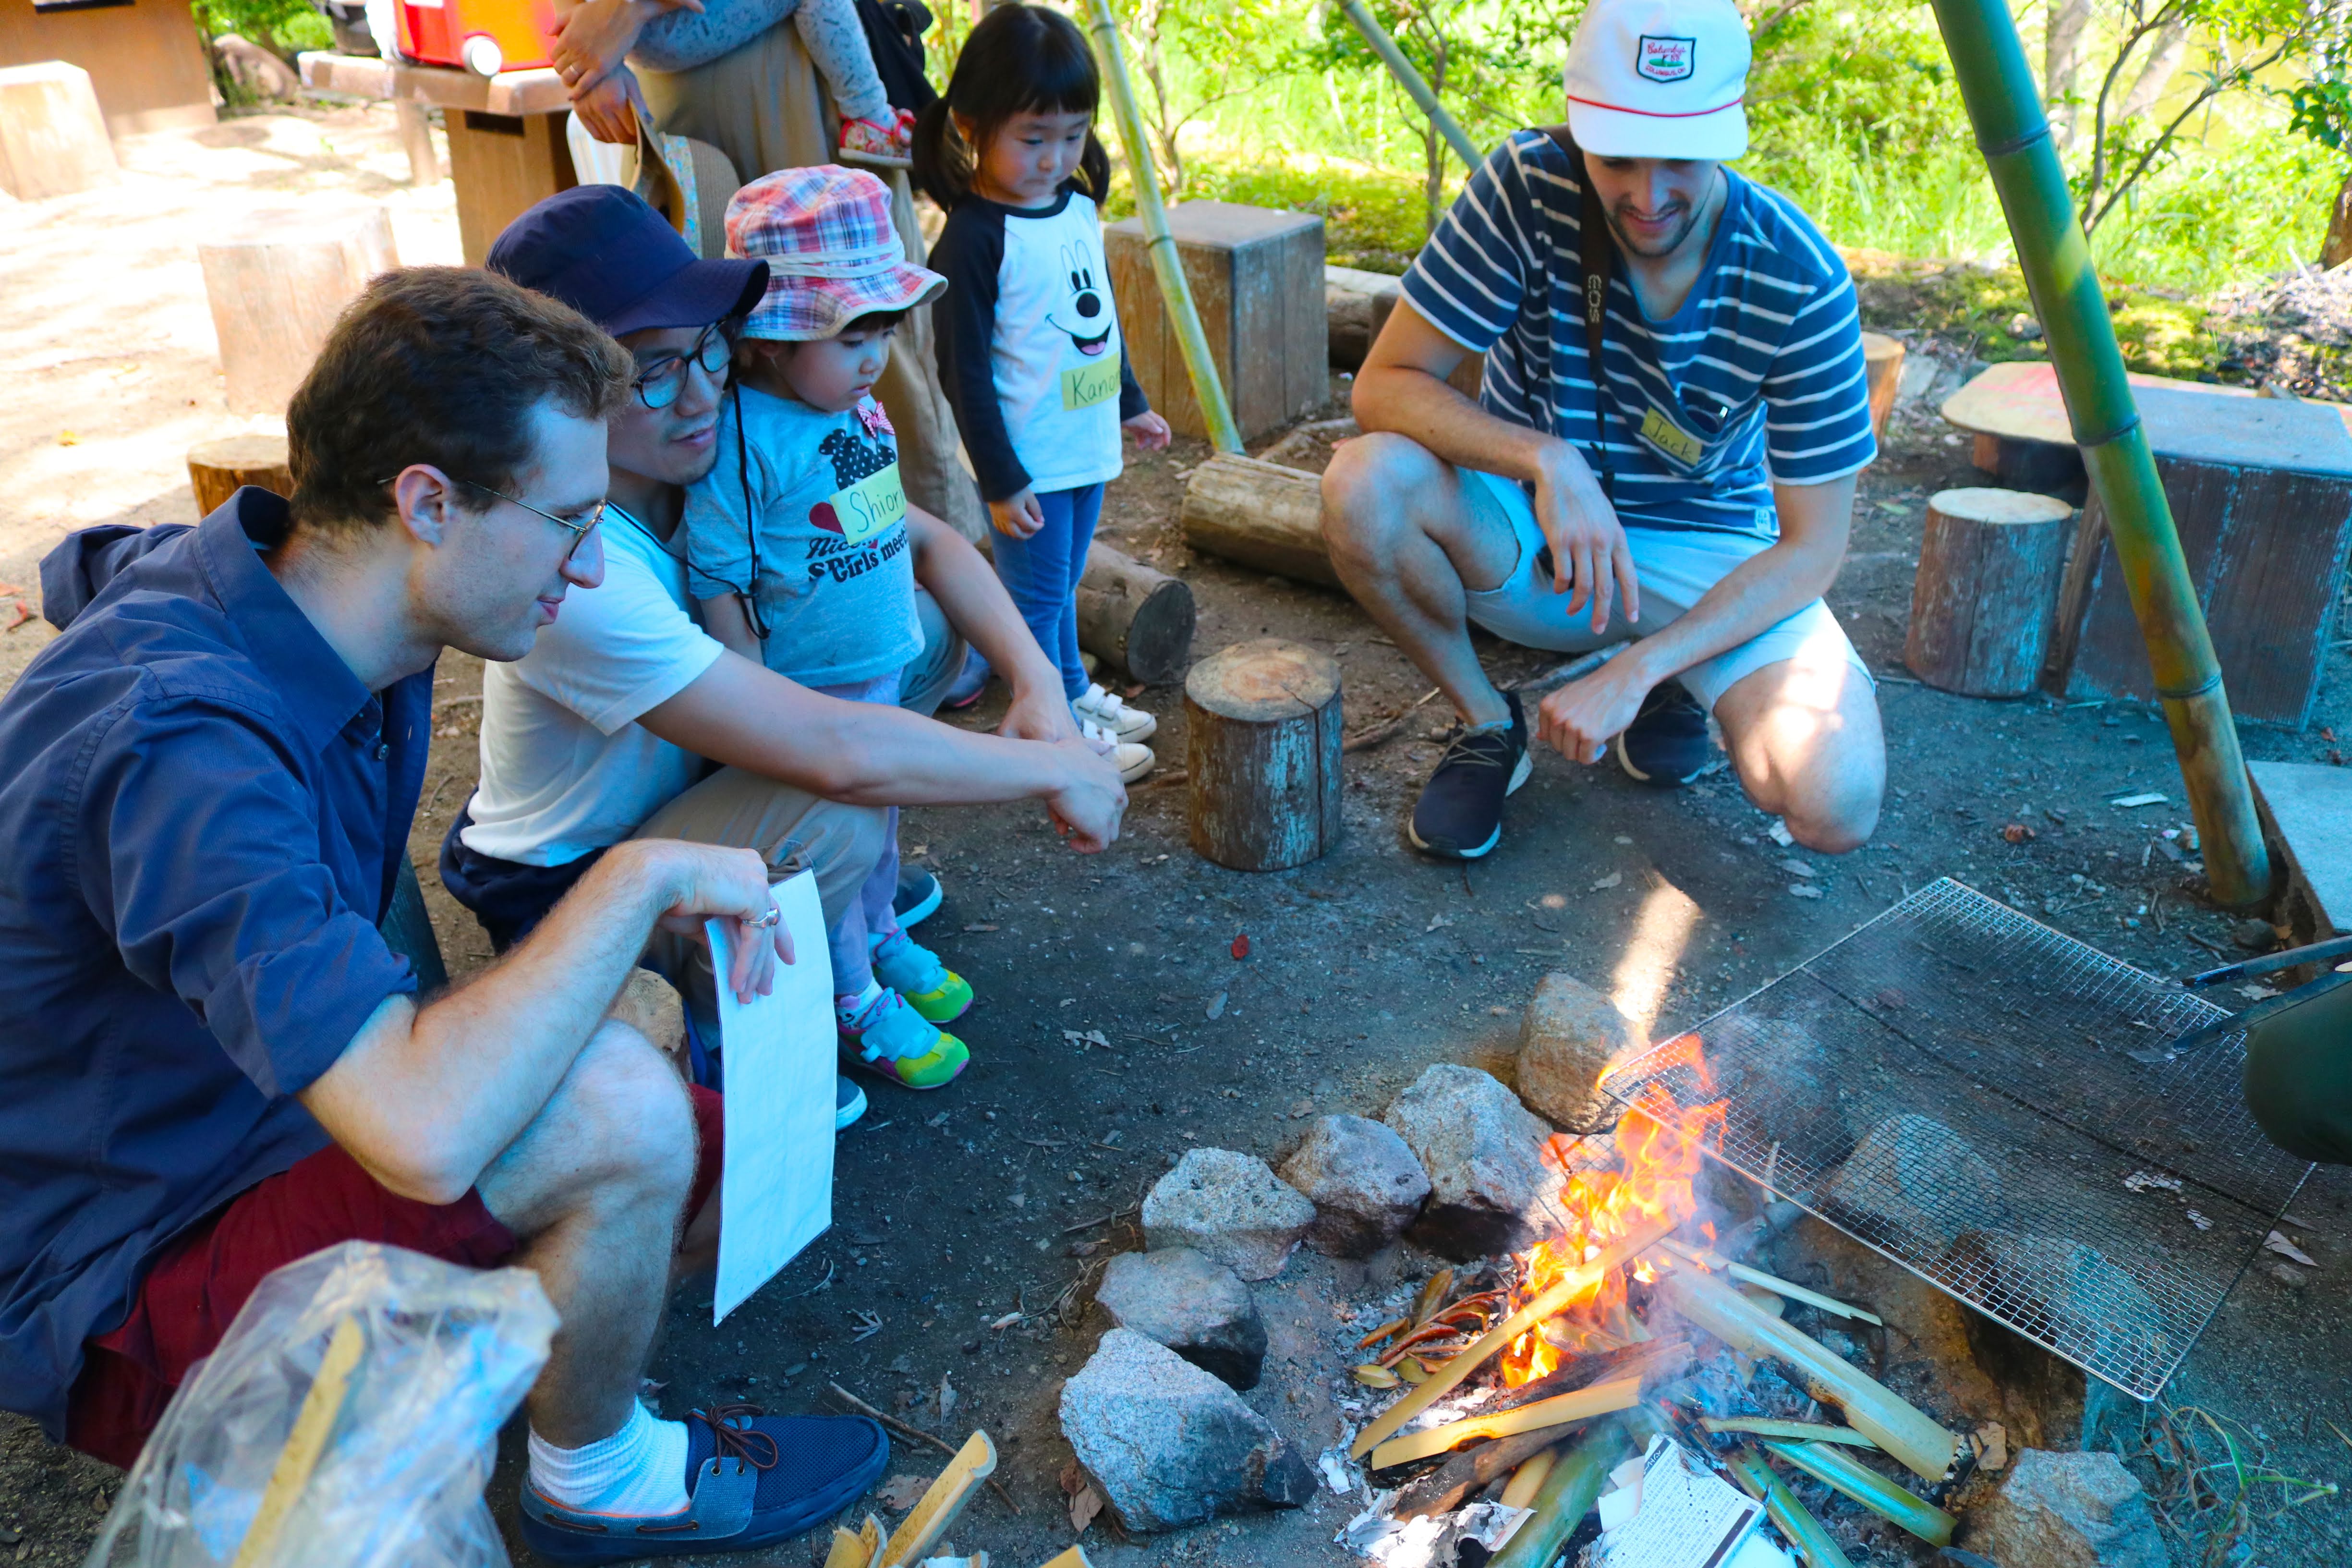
x=426 y=1098
x=1760 y=592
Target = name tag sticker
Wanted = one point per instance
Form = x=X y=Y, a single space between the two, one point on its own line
x=1670 y=437
x=1084 y=385
x=869 y=506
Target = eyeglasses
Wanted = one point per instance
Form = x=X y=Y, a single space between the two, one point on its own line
x=658 y=383
x=579 y=530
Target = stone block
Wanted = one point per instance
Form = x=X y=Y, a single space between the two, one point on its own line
x=1230 y=1208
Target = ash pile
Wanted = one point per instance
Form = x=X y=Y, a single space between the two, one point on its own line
x=1591 y=1373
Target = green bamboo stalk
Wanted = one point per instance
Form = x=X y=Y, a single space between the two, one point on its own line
x=2005 y=108
x=1175 y=290
x=1567 y=1495
x=1415 y=87
x=1840 y=1473
x=1780 y=1505
x=1794 y=1431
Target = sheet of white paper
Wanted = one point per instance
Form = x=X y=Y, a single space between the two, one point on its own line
x=778 y=1051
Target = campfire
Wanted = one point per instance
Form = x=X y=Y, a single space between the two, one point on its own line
x=1628 y=1345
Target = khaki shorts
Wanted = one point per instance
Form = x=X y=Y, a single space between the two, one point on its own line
x=1674 y=567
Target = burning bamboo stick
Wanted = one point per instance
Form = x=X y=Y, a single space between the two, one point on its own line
x=1443 y=1490
x=1526 y=1481
x=1874 y=1491
x=1601 y=1399
x=1446 y=1378
x=1803 y=1530
x=1656 y=1363
x=1774 y=1283
x=1877 y=1412
x=1565 y=1497
x=1794 y=1431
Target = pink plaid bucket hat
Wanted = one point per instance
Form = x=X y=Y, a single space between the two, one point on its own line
x=831 y=253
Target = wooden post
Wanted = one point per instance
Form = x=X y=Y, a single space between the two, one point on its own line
x=1258 y=514
x=1263 y=749
x=1986 y=590
x=1882 y=359
x=1257 y=278
x=1135 y=617
x=276 y=290
x=417 y=139
x=217 y=468
x=53 y=139
x=502 y=165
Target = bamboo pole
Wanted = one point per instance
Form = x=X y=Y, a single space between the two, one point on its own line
x=1804 y=1531
x=1794 y=1431
x=1600 y=1399
x=1842 y=1473
x=2005 y=108
x=1415 y=87
x=1175 y=291
x=1565 y=1497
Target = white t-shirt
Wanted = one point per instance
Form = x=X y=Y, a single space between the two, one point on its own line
x=566 y=767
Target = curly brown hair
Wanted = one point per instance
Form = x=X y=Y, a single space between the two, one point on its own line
x=441 y=365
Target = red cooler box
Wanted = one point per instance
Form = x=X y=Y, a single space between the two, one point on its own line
x=485 y=36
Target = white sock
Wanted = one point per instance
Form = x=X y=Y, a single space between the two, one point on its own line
x=848 y=1008
x=638 y=1472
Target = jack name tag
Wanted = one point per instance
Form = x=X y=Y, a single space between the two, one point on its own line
x=1670 y=437
x=1084 y=385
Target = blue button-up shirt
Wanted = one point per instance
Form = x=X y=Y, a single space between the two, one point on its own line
x=201 y=813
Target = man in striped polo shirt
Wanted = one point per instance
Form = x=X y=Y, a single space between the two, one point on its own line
x=1694 y=505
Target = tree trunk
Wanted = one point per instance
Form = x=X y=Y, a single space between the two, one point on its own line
x=2338 y=248
x=1987 y=589
x=217 y=469
x=1262 y=746
x=276 y=290
x=1258 y=514
x=2166 y=52
x=2062 y=62
x=1134 y=618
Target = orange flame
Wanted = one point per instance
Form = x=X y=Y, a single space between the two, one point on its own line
x=1649 y=1177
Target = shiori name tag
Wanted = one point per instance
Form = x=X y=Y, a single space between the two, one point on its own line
x=869 y=506
x=1084 y=385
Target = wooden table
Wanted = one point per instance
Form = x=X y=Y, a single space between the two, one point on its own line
x=507 y=147
x=2261 y=490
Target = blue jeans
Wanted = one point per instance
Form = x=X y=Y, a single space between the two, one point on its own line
x=1042 y=573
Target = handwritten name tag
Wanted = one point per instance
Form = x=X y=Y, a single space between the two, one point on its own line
x=869 y=506
x=1670 y=437
x=1085 y=385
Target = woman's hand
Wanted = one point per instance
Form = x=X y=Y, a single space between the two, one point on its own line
x=1149 y=430
x=1019 y=516
x=611 y=110
x=593 y=37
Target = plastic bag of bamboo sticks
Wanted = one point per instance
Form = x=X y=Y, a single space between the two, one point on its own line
x=348 y=1420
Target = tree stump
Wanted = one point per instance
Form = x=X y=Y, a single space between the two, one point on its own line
x=216 y=468
x=276 y=290
x=1263 y=751
x=1987 y=592
x=1882 y=359
x=1135 y=617
x=53 y=139
x=1258 y=514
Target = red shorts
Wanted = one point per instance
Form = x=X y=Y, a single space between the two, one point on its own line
x=195 y=1285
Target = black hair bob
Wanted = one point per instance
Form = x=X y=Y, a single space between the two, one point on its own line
x=1018 y=59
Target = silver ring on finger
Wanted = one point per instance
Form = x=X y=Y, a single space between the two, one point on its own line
x=768 y=920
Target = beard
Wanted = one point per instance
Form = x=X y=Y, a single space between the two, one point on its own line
x=1688 y=220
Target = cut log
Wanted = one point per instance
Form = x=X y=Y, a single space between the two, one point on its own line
x=276 y=290
x=1986 y=595
x=1258 y=514
x=53 y=139
x=1135 y=616
x=1882 y=359
x=217 y=468
x=1263 y=754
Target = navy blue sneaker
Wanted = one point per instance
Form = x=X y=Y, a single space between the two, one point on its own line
x=1460 y=813
x=918 y=897
x=752 y=1479
x=1666 y=746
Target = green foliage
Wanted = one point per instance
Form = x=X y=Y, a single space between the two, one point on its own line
x=281 y=27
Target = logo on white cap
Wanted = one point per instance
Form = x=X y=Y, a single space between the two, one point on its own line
x=1666 y=59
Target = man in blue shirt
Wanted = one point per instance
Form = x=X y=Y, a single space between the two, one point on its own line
x=214 y=1065
x=1692 y=498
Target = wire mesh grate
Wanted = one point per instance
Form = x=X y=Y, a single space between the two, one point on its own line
x=1953 y=1086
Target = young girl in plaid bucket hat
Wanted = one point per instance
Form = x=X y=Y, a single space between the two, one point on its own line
x=804 y=554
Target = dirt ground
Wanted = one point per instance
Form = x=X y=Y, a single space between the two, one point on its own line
x=1006 y=1192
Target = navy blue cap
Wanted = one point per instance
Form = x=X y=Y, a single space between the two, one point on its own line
x=606 y=254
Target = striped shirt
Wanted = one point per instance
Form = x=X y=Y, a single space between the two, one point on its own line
x=1757 y=377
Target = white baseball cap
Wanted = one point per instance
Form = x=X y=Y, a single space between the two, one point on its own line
x=1659 y=79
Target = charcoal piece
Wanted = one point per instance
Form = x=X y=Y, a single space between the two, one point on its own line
x=1912 y=1185
x=2068 y=1296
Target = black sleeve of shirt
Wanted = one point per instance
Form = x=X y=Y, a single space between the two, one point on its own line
x=1130 y=395
x=969 y=250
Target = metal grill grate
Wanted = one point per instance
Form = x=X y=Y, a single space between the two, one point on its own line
x=1950 y=1086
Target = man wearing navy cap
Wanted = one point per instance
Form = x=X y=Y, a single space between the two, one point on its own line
x=609 y=727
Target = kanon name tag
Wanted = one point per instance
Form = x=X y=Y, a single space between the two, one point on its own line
x=1084 y=385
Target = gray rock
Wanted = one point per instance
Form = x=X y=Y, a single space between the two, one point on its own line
x=1571 y=1036
x=1787 y=1084
x=1193 y=1305
x=2067 y=1510
x=1363 y=1181
x=1914 y=1183
x=1232 y=1208
x=1489 y=1190
x=1169 y=1445
x=2068 y=1296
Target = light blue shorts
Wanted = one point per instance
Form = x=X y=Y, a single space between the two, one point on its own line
x=1674 y=567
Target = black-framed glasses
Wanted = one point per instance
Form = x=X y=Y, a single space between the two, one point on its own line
x=579 y=530
x=658 y=383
